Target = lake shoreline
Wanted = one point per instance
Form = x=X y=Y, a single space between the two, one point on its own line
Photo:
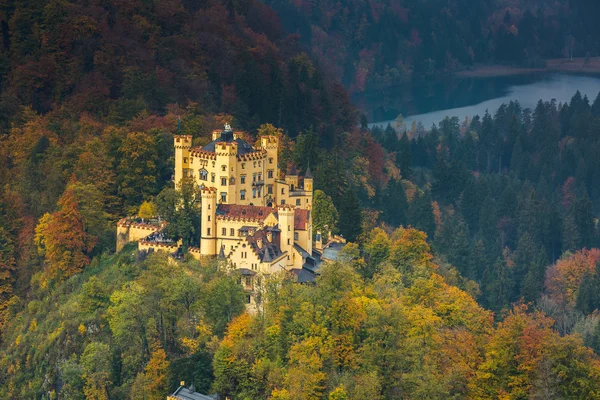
x=578 y=65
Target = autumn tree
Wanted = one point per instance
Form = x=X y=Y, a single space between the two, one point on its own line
x=63 y=238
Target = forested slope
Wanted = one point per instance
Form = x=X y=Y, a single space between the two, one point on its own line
x=371 y=45
x=90 y=96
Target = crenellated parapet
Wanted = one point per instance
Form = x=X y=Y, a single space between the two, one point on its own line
x=182 y=141
x=253 y=156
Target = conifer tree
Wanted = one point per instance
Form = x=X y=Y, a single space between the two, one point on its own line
x=350 y=222
x=395 y=204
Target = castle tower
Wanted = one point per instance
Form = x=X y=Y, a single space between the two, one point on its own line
x=291 y=178
x=208 y=224
x=183 y=144
x=271 y=145
x=308 y=188
x=286 y=226
x=226 y=171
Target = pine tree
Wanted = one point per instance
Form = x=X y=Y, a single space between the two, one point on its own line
x=498 y=285
x=395 y=204
x=350 y=222
x=420 y=213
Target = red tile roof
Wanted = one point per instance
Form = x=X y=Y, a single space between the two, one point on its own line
x=243 y=212
x=301 y=218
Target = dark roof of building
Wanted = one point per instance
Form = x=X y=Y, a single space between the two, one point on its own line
x=268 y=251
x=308 y=173
x=240 y=211
x=301 y=218
x=184 y=393
x=293 y=171
x=247 y=272
x=303 y=275
x=302 y=252
x=243 y=147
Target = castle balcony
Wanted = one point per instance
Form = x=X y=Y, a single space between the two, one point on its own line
x=258 y=183
x=297 y=193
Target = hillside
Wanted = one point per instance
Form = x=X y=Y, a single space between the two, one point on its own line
x=371 y=45
x=132 y=329
x=472 y=270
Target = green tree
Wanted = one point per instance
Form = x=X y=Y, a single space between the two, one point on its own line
x=350 y=210
x=325 y=215
x=95 y=363
x=136 y=172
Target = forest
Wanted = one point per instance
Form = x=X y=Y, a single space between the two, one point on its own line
x=472 y=269
x=371 y=45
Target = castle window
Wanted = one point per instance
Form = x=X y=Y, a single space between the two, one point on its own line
x=247 y=299
x=259 y=163
x=258 y=192
x=209 y=206
x=282 y=202
x=223 y=167
x=270 y=173
x=232 y=181
x=243 y=165
x=209 y=218
x=254 y=164
x=289 y=228
x=212 y=178
x=208 y=231
x=289 y=241
x=270 y=189
x=248 y=281
x=232 y=232
x=203 y=174
x=242 y=179
x=253 y=177
x=297 y=202
x=242 y=195
x=185 y=173
x=259 y=176
x=223 y=197
x=253 y=193
x=270 y=160
x=224 y=231
x=185 y=160
x=295 y=235
x=282 y=190
x=213 y=164
x=223 y=181
x=191 y=173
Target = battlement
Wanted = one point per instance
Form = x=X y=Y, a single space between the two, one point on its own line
x=182 y=141
x=255 y=155
x=286 y=208
x=203 y=154
x=208 y=191
x=269 y=140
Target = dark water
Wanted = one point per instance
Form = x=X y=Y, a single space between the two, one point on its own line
x=431 y=102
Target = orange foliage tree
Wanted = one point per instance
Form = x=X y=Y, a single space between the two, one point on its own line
x=563 y=278
x=62 y=238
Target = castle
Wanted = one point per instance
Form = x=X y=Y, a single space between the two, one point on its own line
x=257 y=221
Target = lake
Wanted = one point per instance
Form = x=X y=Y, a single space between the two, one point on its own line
x=460 y=97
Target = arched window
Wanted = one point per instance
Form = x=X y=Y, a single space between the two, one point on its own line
x=203 y=174
x=232 y=181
